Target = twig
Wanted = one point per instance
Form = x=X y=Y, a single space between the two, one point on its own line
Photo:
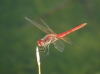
x=38 y=60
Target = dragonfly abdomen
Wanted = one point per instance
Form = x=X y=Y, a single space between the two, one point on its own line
x=71 y=30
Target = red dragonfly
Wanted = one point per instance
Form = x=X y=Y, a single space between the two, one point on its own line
x=52 y=37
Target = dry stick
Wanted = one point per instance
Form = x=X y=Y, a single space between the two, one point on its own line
x=38 y=59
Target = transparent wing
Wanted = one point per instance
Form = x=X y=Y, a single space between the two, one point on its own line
x=59 y=45
x=44 y=29
x=68 y=41
x=48 y=27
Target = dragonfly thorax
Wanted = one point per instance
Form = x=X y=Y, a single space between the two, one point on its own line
x=48 y=39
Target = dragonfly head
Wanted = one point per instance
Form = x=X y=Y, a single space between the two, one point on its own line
x=40 y=43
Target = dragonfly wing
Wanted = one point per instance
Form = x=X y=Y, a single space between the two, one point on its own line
x=59 y=45
x=44 y=29
x=67 y=40
x=48 y=27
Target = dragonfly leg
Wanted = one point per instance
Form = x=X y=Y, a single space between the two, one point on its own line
x=42 y=49
x=46 y=53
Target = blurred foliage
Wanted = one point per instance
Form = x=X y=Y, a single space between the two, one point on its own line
x=18 y=37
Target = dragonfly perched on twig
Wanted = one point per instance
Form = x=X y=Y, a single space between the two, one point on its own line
x=52 y=37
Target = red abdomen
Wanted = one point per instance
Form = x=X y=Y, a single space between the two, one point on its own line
x=71 y=30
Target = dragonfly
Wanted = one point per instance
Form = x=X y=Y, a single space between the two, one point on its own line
x=52 y=37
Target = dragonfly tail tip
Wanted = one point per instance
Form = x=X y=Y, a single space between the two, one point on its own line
x=85 y=23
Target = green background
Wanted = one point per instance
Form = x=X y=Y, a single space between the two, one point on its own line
x=18 y=37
